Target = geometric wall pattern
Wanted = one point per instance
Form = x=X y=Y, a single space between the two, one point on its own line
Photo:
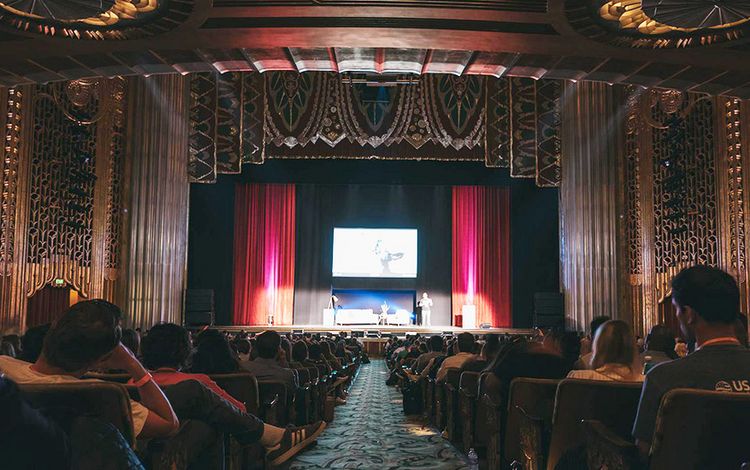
x=248 y=117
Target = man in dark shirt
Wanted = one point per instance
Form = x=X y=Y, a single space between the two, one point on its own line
x=267 y=365
x=706 y=301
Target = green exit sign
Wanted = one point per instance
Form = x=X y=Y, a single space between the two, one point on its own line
x=59 y=282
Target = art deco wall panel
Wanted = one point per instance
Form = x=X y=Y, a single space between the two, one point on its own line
x=248 y=117
x=62 y=191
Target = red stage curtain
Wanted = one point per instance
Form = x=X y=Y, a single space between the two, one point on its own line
x=481 y=253
x=264 y=244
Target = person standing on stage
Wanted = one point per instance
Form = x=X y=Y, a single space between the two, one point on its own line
x=425 y=303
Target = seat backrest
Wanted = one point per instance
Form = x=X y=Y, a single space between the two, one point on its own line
x=537 y=398
x=242 y=387
x=107 y=401
x=469 y=383
x=452 y=377
x=613 y=403
x=698 y=429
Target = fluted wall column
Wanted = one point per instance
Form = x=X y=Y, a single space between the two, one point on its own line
x=157 y=247
x=590 y=197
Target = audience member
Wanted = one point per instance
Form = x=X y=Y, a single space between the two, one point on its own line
x=464 y=353
x=267 y=366
x=213 y=355
x=615 y=355
x=706 y=301
x=659 y=346
x=522 y=358
x=166 y=350
x=33 y=341
x=131 y=339
x=88 y=335
x=243 y=349
x=587 y=342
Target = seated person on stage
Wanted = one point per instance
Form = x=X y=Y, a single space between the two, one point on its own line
x=87 y=336
x=707 y=302
x=267 y=365
x=615 y=355
x=659 y=346
x=464 y=352
x=165 y=351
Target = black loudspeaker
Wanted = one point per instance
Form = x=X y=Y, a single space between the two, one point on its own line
x=199 y=307
x=548 y=310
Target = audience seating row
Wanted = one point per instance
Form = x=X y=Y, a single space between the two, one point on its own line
x=559 y=424
x=271 y=401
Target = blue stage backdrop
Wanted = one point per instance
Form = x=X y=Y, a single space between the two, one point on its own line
x=366 y=298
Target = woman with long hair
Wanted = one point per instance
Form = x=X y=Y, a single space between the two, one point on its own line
x=615 y=355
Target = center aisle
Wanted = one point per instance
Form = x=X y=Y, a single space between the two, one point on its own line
x=372 y=432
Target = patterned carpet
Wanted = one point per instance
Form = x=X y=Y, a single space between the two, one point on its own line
x=372 y=432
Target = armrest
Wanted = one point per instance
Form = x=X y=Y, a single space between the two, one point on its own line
x=605 y=449
x=270 y=402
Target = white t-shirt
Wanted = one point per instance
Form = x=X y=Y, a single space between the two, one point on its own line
x=22 y=373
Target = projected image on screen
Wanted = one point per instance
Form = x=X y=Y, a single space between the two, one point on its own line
x=374 y=252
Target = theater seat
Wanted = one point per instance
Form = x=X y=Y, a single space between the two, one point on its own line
x=468 y=392
x=528 y=398
x=452 y=421
x=613 y=403
x=243 y=387
x=695 y=429
x=105 y=400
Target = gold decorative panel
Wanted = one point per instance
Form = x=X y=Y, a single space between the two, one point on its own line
x=685 y=203
x=61 y=213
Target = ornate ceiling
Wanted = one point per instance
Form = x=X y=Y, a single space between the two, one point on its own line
x=683 y=44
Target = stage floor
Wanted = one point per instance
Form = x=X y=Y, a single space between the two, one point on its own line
x=381 y=329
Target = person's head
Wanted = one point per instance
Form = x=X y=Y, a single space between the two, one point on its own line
x=242 y=345
x=166 y=345
x=424 y=295
x=661 y=338
x=32 y=342
x=465 y=342
x=268 y=344
x=435 y=343
x=596 y=322
x=325 y=347
x=213 y=355
x=706 y=301
x=491 y=347
x=286 y=346
x=131 y=340
x=423 y=348
x=614 y=343
x=86 y=333
x=299 y=351
x=315 y=352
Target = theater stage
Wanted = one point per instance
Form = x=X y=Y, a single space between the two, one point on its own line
x=376 y=330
